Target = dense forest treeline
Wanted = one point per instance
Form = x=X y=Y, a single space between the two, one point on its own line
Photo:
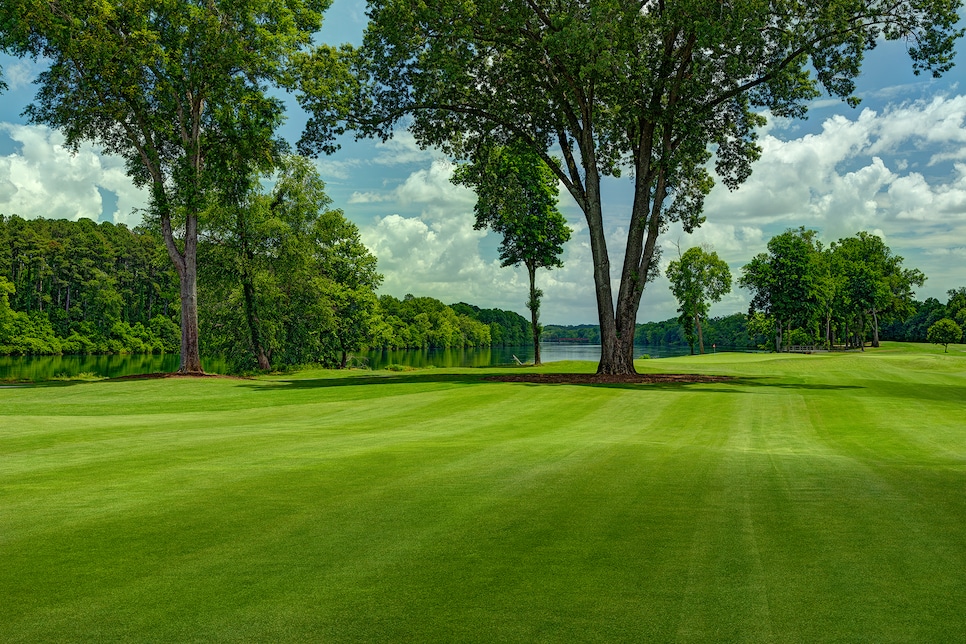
x=80 y=287
x=726 y=331
x=83 y=287
x=739 y=331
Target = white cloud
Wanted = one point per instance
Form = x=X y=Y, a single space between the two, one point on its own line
x=368 y=197
x=45 y=179
x=433 y=186
x=330 y=169
x=403 y=149
x=20 y=74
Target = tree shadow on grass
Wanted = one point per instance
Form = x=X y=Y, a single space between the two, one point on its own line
x=361 y=381
x=703 y=383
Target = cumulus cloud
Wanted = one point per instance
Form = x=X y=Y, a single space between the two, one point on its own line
x=368 y=197
x=45 y=179
x=894 y=172
x=434 y=250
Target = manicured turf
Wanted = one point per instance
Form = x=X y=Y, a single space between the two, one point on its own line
x=813 y=498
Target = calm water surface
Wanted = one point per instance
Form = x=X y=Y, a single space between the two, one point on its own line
x=46 y=367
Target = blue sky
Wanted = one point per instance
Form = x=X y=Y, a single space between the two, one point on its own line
x=895 y=166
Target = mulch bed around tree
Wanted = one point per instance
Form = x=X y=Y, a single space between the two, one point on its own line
x=594 y=378
x=153 y=376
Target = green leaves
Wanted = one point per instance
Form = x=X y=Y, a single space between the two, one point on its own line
x=697 y=279
x=651 y=90
x=944 y=332
x=517 y=198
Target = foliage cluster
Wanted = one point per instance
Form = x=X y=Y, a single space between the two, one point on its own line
x=425 y=322
x=915 y=328
x=286 y=278
x=944 y=332
x=81 y=287
x=829 y=296
x=288 y=270
x=656 y=90
x=507 y=328
x=698 y=278
x=732 y=331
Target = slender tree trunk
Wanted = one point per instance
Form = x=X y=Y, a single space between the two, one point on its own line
x=534 y=305
x=252 y=319
x=248 y=288
x=697 y=322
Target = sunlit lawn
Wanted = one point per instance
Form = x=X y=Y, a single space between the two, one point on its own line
x=812 y=498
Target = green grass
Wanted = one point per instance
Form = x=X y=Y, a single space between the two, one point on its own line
x=813 y=498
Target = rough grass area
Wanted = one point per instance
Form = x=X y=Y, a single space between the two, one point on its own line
x=806 y=498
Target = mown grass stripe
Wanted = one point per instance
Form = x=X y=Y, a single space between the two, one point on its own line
x=811 y=498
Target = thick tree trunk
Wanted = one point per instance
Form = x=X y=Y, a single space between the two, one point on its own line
x=186 y=264
x=190 y=353
x=875 y=328
x=613 y=357
x=534 y=305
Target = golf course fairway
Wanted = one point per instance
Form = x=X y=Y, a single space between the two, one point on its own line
x=809 y=498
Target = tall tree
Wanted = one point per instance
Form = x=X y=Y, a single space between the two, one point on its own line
x=784 y=281
x=875 y=282
x=288 y=278
x=517 y=198
x=697 y=279
x=653 y=88
x=155 y=81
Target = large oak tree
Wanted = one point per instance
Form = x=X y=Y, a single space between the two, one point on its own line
x=651 y=88
x=157 y=82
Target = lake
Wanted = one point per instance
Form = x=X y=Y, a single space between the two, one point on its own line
x=47 y=367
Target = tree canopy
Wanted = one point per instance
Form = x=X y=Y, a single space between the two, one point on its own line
x=169 y=85
x=654 y=89
x=855 y=283
x=697 y=279
x=945 y=332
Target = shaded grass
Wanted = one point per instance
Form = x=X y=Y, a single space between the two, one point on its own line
x=814 y=497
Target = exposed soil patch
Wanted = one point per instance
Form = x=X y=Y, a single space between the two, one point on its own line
x=594 y=378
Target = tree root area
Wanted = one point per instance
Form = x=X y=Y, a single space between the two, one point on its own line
x=175 y=374
x=604 y=379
